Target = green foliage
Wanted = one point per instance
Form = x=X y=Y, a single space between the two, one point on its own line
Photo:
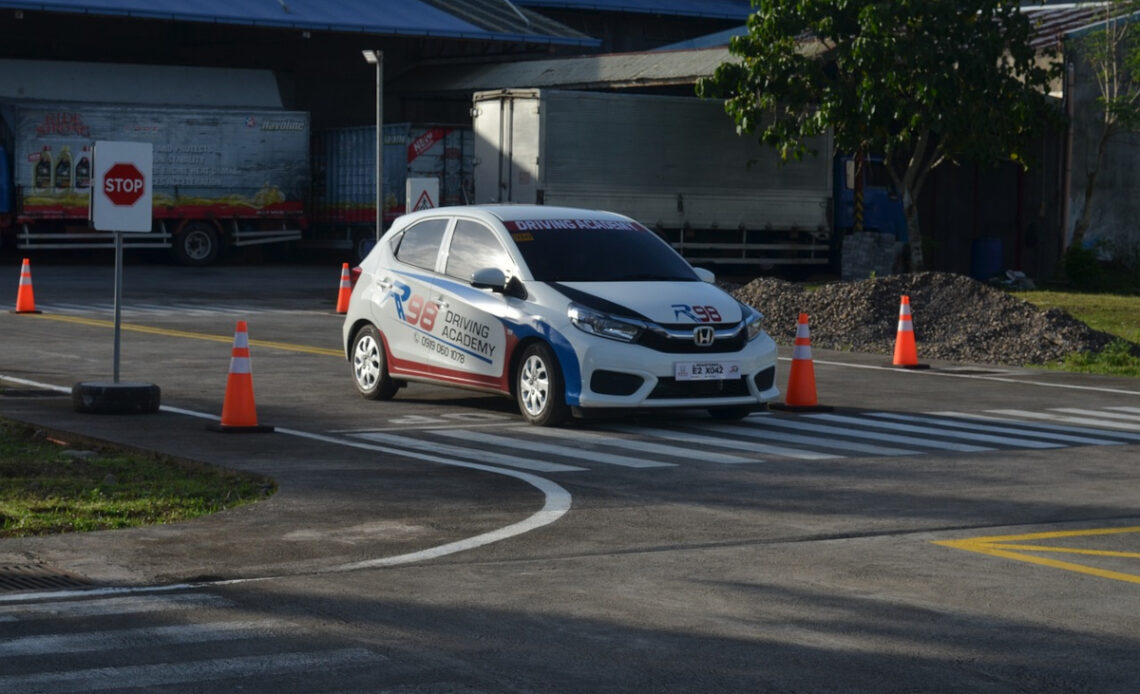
x=1116 y=359
x=881 y=74
x=921 y=81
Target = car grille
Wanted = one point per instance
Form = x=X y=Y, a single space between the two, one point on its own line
x=678 y=339
x=671 y=388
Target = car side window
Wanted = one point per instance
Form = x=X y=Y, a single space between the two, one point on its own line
x=473 y=247
x=419 y=244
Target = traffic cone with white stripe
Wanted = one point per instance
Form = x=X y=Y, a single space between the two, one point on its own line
x=906 y=353
x=25 y=297
x=345 y=290
x=801 y=395
x=239 y=412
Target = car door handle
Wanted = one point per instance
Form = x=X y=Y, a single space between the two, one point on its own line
x=441 y=301
x=384 y=284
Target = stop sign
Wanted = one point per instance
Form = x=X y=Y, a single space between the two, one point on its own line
x=123 y=184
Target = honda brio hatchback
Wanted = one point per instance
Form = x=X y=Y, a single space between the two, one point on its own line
x=565 y=310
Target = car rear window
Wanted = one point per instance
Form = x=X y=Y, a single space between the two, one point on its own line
x=419 y=244
x=596 y=250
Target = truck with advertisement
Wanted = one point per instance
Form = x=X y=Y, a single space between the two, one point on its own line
x=221 y=176
x=677 y=165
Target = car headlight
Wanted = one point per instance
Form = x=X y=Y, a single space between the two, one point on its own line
x=603 y=324
x=753 y=322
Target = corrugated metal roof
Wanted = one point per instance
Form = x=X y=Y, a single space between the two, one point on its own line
x=381 y=17
x=609 y=71
x=719 y=9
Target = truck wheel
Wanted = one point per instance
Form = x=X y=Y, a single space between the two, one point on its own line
x=197 y=245
x=370 y=366
x=539 y=388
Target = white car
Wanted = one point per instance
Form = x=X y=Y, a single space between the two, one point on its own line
x=566 y=310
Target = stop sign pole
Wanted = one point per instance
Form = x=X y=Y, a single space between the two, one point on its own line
x=121 y=203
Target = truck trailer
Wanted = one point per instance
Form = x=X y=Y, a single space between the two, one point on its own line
x=221 y=175
x=677 y=165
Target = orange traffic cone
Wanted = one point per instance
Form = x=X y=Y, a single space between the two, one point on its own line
x=25 y=297
x=239 y=412
x=801 y=380
x=345 y=290
x=906 y=354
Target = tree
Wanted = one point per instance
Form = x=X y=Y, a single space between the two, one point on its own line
x=923 y=82
x=1112 y=51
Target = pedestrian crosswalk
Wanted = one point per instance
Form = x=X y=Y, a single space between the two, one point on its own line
x=767 y=437
x=193 y=641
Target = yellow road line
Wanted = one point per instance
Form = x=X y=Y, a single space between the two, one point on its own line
x=1068 y=550
x=285 y=346
x=996 y=546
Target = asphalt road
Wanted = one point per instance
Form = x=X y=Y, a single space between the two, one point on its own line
x=436 y=544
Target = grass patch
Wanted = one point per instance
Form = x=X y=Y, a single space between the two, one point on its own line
x=1115 y=359
x=1113 y=313
x=1116 y=314
x=51 y=486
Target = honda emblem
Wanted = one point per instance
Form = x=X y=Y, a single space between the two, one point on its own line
x=704 y=335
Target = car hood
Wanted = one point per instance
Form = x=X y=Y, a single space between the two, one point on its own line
x=660 y=302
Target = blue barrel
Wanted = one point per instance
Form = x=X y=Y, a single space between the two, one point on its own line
x=985 y=258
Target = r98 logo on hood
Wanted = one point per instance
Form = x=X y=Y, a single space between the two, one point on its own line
x=697 y=314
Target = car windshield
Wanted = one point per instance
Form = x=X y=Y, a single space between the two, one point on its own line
x=593 y=250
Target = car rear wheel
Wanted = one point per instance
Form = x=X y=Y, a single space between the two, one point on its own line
x=370 y=366
x=539 y=387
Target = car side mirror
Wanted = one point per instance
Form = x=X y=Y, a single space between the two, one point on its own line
x=489 y=278
x=705 y=275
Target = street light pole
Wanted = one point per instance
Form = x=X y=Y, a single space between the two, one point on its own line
x=377 y=58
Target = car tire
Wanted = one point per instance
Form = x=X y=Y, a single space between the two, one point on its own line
x=370 y=366
x=197 y=245
x=539 y=388
x=730 y=412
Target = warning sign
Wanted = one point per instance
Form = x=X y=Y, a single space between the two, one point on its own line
x=422 y=193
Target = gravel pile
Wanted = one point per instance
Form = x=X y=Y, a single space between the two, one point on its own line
x=955 y=318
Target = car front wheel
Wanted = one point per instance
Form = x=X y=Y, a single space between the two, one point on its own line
x=539 y=388
x=370 y=366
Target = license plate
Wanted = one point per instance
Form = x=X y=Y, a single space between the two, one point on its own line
x=706 y=370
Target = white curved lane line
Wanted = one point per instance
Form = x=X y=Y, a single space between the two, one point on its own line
x=557 y=499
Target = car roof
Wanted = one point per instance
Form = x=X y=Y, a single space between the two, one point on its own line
x=510 y=213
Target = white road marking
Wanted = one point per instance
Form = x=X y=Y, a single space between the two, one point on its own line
x=1115 y=416
x=936 y=431
x=910 y=373
x=556 y=504
x=1022 y=431
x=1051 y=425
x=1064 y=419
x=721 y=442
x=766 y=433
x=642 y=446
x=466 y=453
x=100 y=679
x=818 y=428
x=564 y=451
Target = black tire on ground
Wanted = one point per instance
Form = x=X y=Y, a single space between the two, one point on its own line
x=370 y=366
x=539 y=387
x=197 y=245
x=106 y=397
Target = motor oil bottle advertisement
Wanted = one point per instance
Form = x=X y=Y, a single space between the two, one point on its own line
x=207 y=162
